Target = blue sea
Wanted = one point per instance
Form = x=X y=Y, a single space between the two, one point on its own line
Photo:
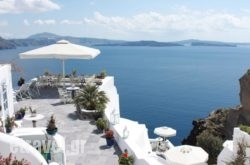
x=158 y=86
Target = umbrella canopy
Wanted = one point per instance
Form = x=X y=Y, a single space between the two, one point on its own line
x=165 y=131
x=186 y=155
x=61 y=50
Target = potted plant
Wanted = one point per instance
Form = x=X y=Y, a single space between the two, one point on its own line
x=90 y=98
x=102 y=74
x=109 y=135
x=18 y=115
x=12 y=160
x=46 y=72
x=22 y=111
x=129 y=160
x=101 y=124
x=73 y=73
x=9 y=124
x=51 y=127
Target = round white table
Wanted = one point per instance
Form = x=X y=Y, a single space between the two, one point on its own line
x=72 y=89
x=33 y=118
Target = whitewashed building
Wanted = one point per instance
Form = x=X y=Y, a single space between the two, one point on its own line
x=6 y=91
x=231 y=147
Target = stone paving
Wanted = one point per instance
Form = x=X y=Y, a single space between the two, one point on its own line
x=93 y=151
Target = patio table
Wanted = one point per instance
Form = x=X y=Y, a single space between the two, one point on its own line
x=72 y=89
x=33 y=118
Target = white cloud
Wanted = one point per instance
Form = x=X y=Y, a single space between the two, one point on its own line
x=26 y=22
x=3 y=23
x=6 y=35
x=183 y=22
x=92 y=3
x=45 y=22
x=245 y=10
x=18 y=6
x=71 y=22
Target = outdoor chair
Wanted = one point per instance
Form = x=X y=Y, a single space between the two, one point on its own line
x=34 y=88
x=64 y=95
x=163 y=146
x=23 y=92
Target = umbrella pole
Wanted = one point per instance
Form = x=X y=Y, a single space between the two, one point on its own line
x=63 y=74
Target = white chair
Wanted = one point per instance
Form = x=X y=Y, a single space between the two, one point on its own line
x=23 y=92
x=163 y=146
x=64 y=96
x=34 y=88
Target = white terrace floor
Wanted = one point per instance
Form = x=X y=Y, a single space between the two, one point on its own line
x=95 y=151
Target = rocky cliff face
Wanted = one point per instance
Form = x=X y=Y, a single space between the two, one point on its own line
x=245 y=91
x=222 y=121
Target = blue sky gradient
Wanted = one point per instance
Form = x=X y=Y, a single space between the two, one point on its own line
x=161 y=20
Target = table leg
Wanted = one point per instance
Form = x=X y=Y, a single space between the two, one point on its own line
x=73 y=94
x=34 y=123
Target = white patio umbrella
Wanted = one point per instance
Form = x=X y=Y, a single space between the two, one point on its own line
x=186 y=155
x=165 y=131
x=61 y=50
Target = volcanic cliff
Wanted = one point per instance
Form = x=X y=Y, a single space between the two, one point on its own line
x=222 y=121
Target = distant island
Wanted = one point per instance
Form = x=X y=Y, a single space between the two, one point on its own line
x=143 y=43
x=43 y=39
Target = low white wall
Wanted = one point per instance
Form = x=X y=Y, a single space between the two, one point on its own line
x=230 y=149
x=137 y=142
x=20 y=149
x=6 y=78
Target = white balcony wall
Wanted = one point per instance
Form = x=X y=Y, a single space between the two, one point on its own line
x=6 y=84
x=229 y=152
x=20 y=149
x=137 y=140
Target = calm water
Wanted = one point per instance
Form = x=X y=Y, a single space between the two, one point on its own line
x=159 y=86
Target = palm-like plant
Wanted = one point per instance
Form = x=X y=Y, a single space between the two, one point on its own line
x=91 y=98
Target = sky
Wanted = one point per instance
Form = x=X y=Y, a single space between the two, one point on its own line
x=159 y=20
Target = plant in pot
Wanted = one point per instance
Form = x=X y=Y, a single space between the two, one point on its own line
x=74 y=73
x=22 y=111
x=102 y=74
x=90 y=98
x=51 y=127
x=9 y=124
x=129 y=160
x=18 y=115
x=101 y=124
x=109 y=135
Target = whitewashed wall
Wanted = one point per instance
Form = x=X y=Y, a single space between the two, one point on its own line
x=6 y=79
x=137 y=140
x=20 y=149
x=230 y=149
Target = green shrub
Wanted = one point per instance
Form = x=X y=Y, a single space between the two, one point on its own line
x=245 y=128
x=211 y=144
x=101 y=124
x=126 y=160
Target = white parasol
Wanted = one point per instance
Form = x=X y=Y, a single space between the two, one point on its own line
x=61 y=50
x=186 y=155
x=165 y=131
